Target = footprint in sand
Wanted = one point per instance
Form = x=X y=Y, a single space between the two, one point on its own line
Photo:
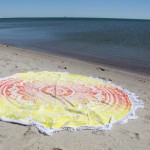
x=29 y=132
x=57 y=149
x=3 y=136
x=62 y=67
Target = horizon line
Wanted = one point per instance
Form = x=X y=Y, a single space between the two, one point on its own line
x=65 y=17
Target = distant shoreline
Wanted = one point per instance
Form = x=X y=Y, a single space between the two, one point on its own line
x=74 y=18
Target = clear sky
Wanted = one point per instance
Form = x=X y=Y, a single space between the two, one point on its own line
x=139 y=9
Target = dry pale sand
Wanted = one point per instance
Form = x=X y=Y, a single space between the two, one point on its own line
x=134 y=135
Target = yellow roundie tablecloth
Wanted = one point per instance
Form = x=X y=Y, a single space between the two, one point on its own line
x=54 y=101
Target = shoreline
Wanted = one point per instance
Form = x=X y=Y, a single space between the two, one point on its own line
x=112 y=66
x=133 y=135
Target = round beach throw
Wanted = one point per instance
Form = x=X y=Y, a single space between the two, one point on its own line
x=54 y=101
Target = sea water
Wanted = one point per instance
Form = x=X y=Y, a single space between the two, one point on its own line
x=122 y=43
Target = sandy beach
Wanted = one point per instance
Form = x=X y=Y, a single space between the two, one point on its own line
x=133 y=135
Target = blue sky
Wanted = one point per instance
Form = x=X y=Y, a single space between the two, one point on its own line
x=139 y=9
